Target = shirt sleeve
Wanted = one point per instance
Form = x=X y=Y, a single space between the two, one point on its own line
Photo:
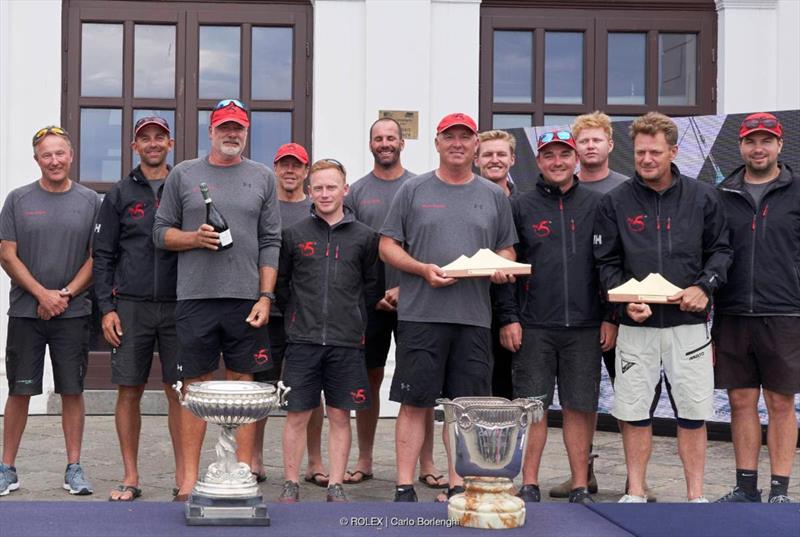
x=506 y=231
x=394 y=226
x=8 y=228
x=105 y=251
x=170 y=208
x=269 y=226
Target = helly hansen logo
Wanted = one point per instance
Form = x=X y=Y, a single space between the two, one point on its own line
x=627 y=365
x=542 y=228
x=97 y=228
x=137 y=211
x=261 y=357
x=597 y=240
x=308 y=248
x=636 y=223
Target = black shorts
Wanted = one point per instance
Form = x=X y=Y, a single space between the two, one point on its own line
x=143 y=324
x=609 y=357
x=338 y=371
x=571 y=357
x=68 y=340
x=441 y=360
x=757 y=351
x=378 y=337
x=209 y=327
x=501 y=370
x=277 y=348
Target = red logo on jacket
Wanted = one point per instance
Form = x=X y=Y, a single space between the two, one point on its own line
x=542 y=229
x=307 y=249
x=137 y=211
x=636 y=223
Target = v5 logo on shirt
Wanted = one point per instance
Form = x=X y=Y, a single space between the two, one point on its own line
x=542 y=229
x=636 y=223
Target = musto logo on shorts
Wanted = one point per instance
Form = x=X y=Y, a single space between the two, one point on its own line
x=358 y=396
x=261 y=357
x=626 y=365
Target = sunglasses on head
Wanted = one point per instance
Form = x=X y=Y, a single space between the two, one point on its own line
x=766 y=122
x=335 y=163
x=548 y=137
x=225 y=102
x=41 y=133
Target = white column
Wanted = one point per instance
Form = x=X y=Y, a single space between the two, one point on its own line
x=30 y=98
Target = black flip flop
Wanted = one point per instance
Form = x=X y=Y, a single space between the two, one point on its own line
x=424 y=480
x=136 y=492
x=364 y=477
x=318 y=482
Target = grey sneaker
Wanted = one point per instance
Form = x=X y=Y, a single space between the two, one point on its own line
x=780 y=498
x=336 y=493
x=580 y=495
x=8 y=479
x=738 y=495
x=530 y=494
x=291 y=492
x=75 y=482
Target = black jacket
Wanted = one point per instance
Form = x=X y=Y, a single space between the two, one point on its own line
x=765 y=275
x=327 y=280
x=680 y=233
x=555 y=237
x=126 y=263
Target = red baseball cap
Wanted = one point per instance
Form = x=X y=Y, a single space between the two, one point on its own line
x=761 y=121
x=451 y=120
x=229 y=112
x=150 y=120
x=555 y=137
x=292 y=150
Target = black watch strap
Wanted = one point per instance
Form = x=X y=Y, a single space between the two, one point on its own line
x=267 y=294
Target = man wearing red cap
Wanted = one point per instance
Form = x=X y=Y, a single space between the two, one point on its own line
x=444 y=337
x=554 y=322
x=291 y=169
x=224 y=296
x=135 y=287
x=757 y=314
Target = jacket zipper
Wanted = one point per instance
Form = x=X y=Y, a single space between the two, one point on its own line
x=660 y=261
x=156 y=199
x=669 y=235
x=572 y=230
x=564 y=259
x=325 y=289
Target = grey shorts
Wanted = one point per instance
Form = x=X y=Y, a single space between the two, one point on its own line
x=686 y=354
x=144 y=324
x=570 y=357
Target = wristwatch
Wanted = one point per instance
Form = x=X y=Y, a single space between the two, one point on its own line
x=268 y=294
x=67 y=292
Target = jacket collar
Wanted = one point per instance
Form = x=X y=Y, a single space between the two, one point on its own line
x=349 y=216
x=553 y=191
x=137 y=175
x=676 y=179
x=735 y=181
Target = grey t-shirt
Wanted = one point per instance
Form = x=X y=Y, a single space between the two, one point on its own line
x=438 y=222
x=155 y=184
x=606 y=184
x=757 y=190
x=53 y=232
x=294 y=211
x=245 y=194
x=370 y=198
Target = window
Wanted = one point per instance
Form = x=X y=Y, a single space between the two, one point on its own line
x=545 y=62
x=127 y=59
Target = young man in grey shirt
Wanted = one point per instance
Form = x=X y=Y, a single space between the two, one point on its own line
x=444 y=344
x=370 y=198
x=45 y=233
x=224 y=296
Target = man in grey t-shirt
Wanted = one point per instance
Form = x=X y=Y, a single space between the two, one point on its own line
x=224 y=296
x=444 y=335
x=370 y=198
x=593 y=137
x=46 y=229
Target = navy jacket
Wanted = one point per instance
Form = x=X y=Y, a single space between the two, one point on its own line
x=126 y=263
x=680 y=233
x=764 y=278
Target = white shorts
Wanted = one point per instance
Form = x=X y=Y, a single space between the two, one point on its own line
x=685 y=352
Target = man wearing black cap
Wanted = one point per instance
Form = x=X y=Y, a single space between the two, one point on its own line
x=135 y=289
x=444 y=337
x=553 y=322
x=45 y=233
x=757 y=316
x=224 y=295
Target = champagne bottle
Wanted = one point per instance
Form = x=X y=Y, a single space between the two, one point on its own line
x=215 y=219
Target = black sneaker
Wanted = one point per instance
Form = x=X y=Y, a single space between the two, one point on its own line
x=530 y=494
x=738 y=495
x=580 y=495
x=405 y=493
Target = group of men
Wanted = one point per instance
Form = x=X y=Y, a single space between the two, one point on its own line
x=320 y=278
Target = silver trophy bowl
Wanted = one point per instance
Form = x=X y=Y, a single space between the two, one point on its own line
x=487 y=438
x=228 y=493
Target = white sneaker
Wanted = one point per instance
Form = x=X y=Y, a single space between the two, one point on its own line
x=629 y=498
x=701 y=499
